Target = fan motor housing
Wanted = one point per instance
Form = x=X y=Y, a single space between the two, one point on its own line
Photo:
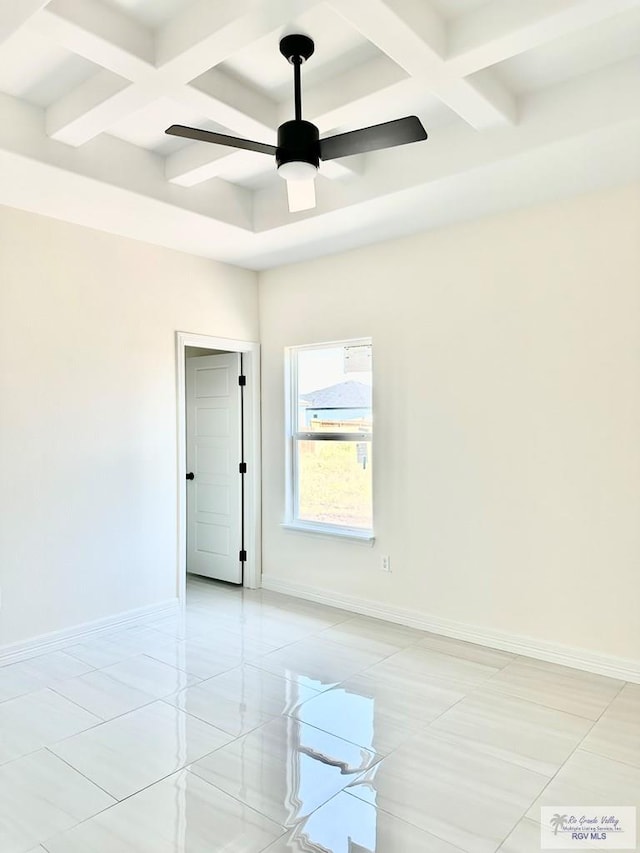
x=298 y=141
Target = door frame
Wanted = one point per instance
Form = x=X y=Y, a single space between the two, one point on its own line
x=252 y=452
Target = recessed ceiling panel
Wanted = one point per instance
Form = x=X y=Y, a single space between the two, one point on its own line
x=586 y=50
x=151 y=13
x=452 y=9
x=38 y=71
x=337 y=46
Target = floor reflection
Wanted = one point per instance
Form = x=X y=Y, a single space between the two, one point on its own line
x=316 y=759
x=312 y=750
x=343 y=825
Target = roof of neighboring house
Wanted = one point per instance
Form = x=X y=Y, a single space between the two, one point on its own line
x=344 y=395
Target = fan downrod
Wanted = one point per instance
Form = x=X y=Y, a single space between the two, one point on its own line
x=296 y=46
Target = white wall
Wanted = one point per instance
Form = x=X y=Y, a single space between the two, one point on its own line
x=88 y=415
x=507 y=417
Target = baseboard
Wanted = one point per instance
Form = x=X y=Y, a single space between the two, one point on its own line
x=56 y=640
x=625 y=669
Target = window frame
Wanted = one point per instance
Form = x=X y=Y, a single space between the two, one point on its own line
x=293 y=435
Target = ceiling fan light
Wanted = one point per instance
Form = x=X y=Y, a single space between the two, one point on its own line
x=301 y=195
x=297 y=170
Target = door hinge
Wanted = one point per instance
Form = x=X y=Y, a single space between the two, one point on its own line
x=242 y=380
x=243 y=467
x=243 y=557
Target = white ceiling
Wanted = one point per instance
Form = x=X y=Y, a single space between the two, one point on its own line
x=524 y=101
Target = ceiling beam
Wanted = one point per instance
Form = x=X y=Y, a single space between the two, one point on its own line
x=207 y=32
x=40 y=188
x=188 y=46
x=92 y=107
x=99 y=33
x=414 y=37
x=502 y=29
x=15 y=14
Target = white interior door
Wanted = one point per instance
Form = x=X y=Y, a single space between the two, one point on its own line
x=214 y=495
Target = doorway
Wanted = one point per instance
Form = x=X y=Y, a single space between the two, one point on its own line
x=219 y=502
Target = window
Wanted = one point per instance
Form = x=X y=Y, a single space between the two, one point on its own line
x=329 y=437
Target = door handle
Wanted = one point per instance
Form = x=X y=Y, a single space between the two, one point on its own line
x=191 y=476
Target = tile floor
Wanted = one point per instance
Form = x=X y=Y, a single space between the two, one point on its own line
x=255 y=722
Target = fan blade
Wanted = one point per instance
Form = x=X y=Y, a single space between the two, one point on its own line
x=387 y=135
x=301 y=194
x=220 y=139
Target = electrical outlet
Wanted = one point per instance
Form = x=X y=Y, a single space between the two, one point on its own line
x=385 y=565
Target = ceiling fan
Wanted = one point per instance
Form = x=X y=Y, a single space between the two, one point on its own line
x=300 y=149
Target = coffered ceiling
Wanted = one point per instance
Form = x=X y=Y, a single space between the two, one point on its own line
x=524 y=101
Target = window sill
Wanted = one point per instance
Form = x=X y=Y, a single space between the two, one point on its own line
x=365 y=537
